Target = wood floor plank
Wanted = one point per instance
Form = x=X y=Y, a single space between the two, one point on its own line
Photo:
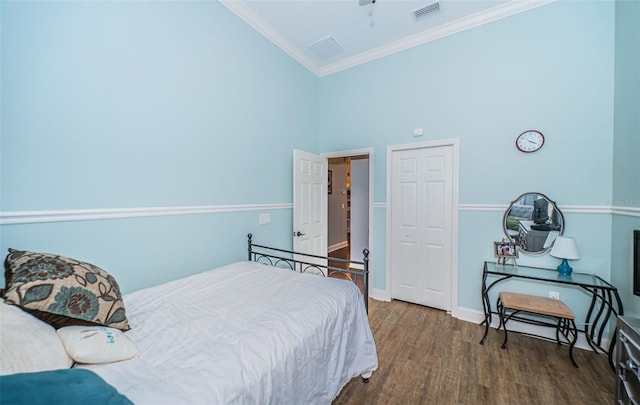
x=428 y=357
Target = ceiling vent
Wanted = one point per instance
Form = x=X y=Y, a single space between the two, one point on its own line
x=421 y=13
x=326 y=47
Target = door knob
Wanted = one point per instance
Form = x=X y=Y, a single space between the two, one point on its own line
x=298 y=233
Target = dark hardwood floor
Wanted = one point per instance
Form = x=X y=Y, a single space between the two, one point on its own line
x=344 y=253
x=428 y=357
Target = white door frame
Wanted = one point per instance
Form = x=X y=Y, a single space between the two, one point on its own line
x=361 y=152
x=454 y=143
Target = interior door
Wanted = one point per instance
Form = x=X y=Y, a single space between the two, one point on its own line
x=421 y=225
x=310 y=175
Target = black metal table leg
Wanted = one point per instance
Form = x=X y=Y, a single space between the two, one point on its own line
x=503 y=322
x=487 y=308
x=574 y=330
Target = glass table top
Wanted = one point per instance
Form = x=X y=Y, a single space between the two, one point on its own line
x=537 y=273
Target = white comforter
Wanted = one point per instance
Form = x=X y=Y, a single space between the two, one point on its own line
x=244 y=334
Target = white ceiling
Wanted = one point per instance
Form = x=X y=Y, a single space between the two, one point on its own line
x=363 y=33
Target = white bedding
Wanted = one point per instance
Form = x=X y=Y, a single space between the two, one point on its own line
x=245 y=333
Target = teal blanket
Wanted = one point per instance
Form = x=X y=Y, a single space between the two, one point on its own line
x=69 y=387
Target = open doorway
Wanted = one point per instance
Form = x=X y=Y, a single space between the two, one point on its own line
x=348 y=207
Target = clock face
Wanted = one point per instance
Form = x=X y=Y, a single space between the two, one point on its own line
x=529 y=141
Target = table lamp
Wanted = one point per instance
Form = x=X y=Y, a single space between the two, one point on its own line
x=565 y=248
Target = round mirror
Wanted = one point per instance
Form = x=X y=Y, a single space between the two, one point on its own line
x=533 y=222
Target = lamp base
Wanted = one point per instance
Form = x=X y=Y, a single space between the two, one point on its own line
x=564 y=268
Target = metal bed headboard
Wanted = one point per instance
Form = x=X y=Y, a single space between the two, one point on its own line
x=305 y=263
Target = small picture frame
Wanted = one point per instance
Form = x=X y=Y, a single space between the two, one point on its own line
x=505 y=250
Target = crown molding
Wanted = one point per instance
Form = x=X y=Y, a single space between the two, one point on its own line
x=474 y=20
x=259 y=24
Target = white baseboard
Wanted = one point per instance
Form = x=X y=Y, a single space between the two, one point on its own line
x=475 y=316
x=469 y=315
x=378 y=294
x=337 y=246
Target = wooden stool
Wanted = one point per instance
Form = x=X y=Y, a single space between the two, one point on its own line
x=533 y=304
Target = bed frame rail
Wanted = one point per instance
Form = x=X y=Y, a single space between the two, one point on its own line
x=318 y=265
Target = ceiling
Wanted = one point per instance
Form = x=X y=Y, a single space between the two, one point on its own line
x=327 y=36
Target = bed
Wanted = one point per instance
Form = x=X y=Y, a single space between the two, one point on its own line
x=251 y=332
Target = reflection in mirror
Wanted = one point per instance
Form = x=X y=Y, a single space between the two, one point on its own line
x=533 y=222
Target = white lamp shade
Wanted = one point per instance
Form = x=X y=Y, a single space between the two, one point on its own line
x=565 y=248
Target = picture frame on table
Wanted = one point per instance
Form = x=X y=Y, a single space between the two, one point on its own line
x=504 y=251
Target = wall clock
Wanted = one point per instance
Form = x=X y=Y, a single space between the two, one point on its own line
x=530 y=141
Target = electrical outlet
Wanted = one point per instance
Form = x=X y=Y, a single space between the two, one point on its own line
x=554 y=294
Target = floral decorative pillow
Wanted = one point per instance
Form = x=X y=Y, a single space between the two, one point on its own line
x=63 y=291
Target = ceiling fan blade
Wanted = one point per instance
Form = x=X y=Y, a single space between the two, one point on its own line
x=366 y=2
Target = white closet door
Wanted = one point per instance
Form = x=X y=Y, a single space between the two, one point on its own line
x=421 y=225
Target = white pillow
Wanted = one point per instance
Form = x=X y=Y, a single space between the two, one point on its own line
x=96 y=344
x=28 y=344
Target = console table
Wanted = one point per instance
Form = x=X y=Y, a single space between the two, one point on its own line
x=605 y=299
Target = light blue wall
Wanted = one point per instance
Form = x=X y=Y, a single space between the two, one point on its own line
x=485 y=86
x=141 y=252
x=626 y=162
x=154 y=104
x=121 y=104
x=147 y=104
x=550 y=68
